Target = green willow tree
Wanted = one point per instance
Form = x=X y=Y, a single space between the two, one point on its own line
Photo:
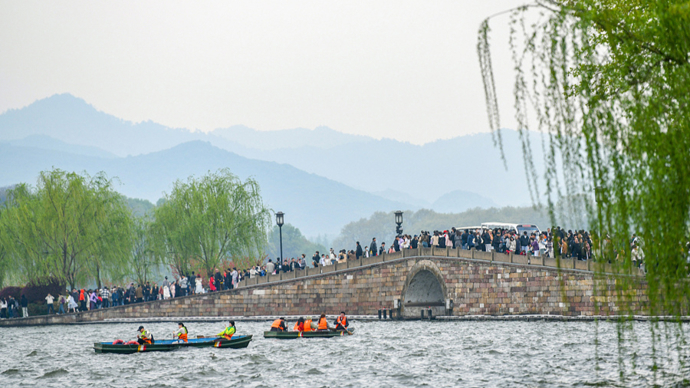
x=607 y=84
x=143 y=259
x=204 y=222
x=71 y=227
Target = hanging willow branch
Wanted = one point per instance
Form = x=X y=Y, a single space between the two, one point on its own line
x=606 y=84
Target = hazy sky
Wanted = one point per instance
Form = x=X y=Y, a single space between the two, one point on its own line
x=399 y=69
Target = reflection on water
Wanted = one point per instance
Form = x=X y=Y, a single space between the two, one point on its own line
x=405 y=354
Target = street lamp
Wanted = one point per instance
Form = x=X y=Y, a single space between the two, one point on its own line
x=279 y=221
x=398 y=221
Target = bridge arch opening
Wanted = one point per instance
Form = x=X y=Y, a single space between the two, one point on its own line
x=424 y=288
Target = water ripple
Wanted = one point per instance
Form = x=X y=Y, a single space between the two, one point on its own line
x=391 y=354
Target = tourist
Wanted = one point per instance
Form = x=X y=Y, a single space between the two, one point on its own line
x=181 y=333
x=105 y=295
x=211 y=284
x=71 y=304
x=146 y=291
x=299 y=325
x=199 y=285
x=235 y=277
x=382 y=250
x=270 y=267
x=227 y=279
x=166 y=290
x=192 y=283
x=316 y=259
x=323 y=324
x=61 y=304
x=139 y=293
x=535 y=246
x=11 y=307
x=3 y=308
x=155 y=290
x=229 y=331
x=25 y=306
x=144 y=337
x=93 y=300
x=49 y=303
x=341 y=322
x=279 y=325
x=372 y=247
x=183 y=286
x=358 y=251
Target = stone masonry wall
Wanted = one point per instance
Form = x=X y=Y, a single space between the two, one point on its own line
x=477 y=287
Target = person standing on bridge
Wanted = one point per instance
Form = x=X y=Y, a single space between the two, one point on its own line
x=373 y=247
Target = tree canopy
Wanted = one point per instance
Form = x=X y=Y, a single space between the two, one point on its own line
x=206 y=221
x=69 y=227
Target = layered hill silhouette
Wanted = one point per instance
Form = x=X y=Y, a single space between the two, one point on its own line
x=340 y=176
x=318 y=205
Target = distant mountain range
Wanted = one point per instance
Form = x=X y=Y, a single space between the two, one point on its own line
x=322 y=177
x=318 y=205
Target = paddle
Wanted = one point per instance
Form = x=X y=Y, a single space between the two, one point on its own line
x=346 y=330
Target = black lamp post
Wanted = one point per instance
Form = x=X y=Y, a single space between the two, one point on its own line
x=398 y=221
x=279 y=221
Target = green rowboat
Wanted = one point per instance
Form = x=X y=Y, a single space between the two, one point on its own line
x=306 y=334
x=237 y=342
x=108 y=347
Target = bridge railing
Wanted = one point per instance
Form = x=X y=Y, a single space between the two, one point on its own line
x=511 y=258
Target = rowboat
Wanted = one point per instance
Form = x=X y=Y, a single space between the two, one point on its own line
x=237 y=342
x=108 y=347
x=306 y=334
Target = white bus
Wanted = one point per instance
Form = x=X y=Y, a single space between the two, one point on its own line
x=517 y=228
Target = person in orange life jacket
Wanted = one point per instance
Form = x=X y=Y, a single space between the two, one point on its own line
x=341 y=323
x=144 y=337
x=309 y=324
x=323 y=323
x=299 y=325
x=279 y=325
x=228 y=332
x=181 y=333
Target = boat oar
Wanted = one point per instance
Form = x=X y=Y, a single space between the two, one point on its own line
x=346 y=331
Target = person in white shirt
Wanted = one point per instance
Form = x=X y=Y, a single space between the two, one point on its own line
x=49 y=302
x=199 y=285
x=322 y=262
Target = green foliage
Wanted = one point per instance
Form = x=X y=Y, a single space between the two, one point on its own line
x=607 y=82
x=140 y=207
x=71 y=227
x=294 y=243
x=142 y=261
x=382 y=225
x=207 y=221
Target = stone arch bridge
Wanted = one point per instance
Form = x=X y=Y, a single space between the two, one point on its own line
x=450 y=282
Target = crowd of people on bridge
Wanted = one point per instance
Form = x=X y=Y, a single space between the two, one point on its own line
x=568 y=244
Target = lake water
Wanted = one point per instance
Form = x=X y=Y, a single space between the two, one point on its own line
x=379 y=354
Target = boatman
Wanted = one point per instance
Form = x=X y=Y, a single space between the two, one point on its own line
x=299 y=325
x=228 y=332
x=181 y=332
x=279 y=325
x=323 y=323
x=341 y=323
x=144 y=337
